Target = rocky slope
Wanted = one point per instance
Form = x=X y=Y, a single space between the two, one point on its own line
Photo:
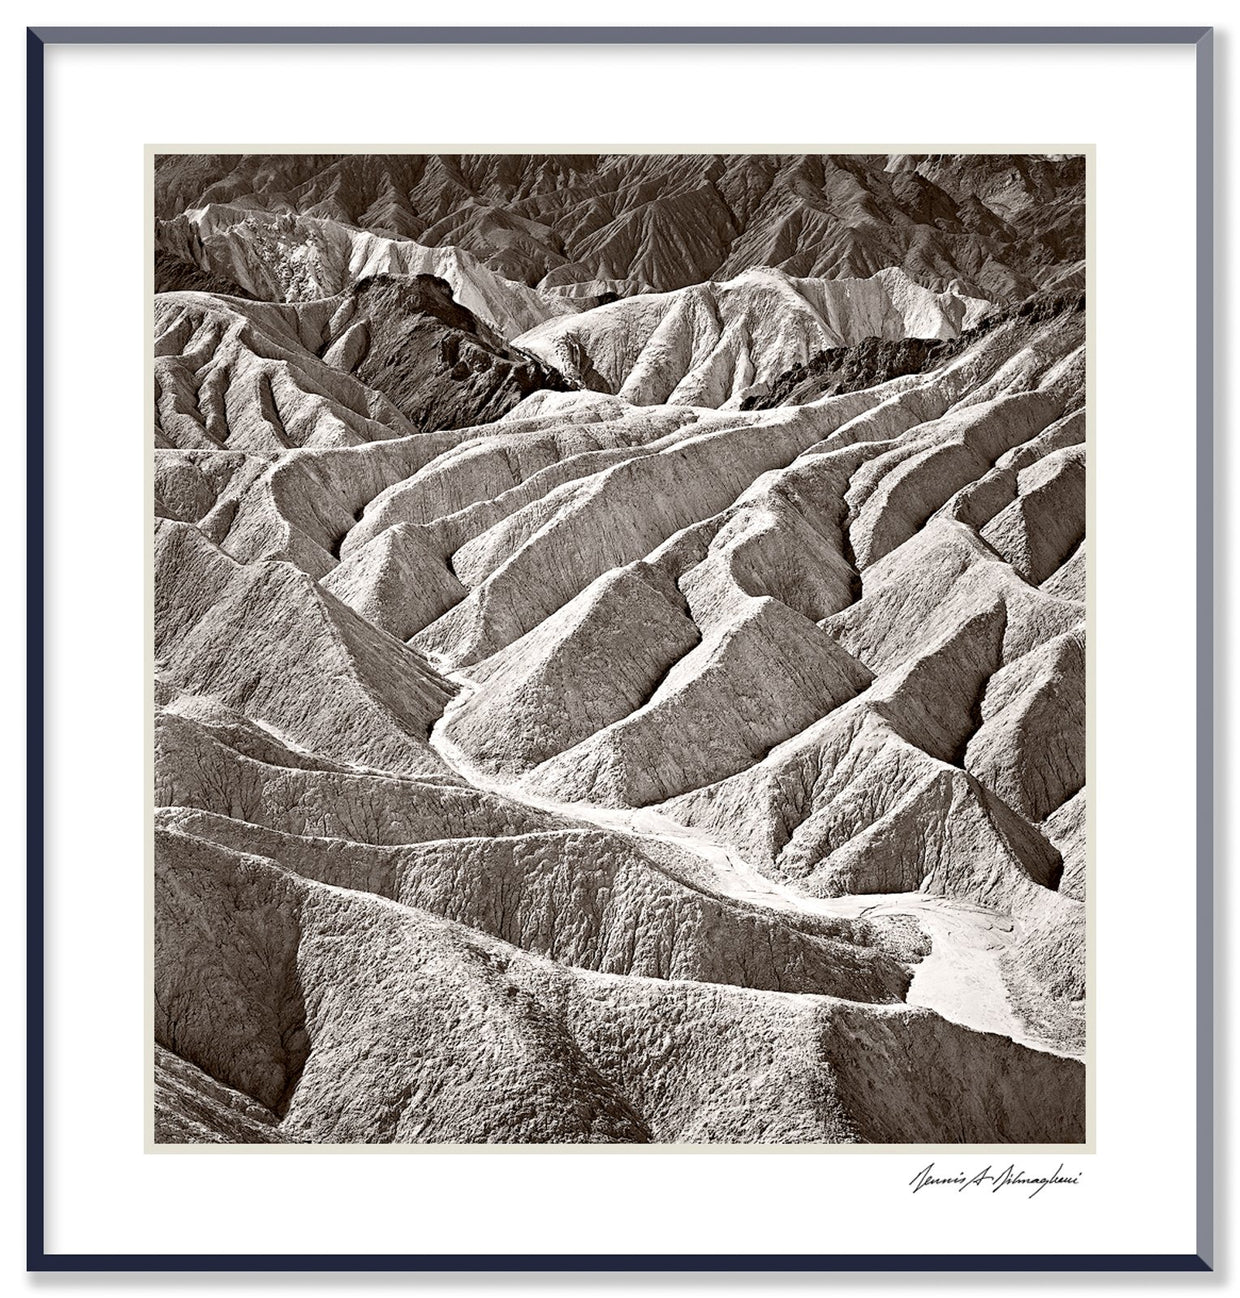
x=997 y=226
x=650 y=720
x=711 y=344
x=876 y=359
x=390 y=355
x=290 y=258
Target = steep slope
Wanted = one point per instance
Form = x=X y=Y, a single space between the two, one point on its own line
x=173 y=274
x=312 y=670
x=453 y=1036
x=589 y=899
x=390 y=356
x=246 y=376
x=997 y=225
x=875 y=360
x=409 y=339
x=643 y=718
x=289 y=258
x=710 y=344
x=191 y=1107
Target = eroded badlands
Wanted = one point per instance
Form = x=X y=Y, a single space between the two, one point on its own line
x=620 y=650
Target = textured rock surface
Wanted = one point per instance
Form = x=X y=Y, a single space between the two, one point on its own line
x=999 y=224
x=424 y=1030
x=391 y=355
x=288 y=258
x=877 y=359
x=711 y=344
x=592 y=720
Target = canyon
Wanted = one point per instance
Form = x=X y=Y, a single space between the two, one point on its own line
x=620 y=649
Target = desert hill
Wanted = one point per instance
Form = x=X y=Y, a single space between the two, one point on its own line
x=711 y=344
x=638 y=720
x=1000 y=226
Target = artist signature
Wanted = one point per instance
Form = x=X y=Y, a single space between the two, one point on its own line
x=1009 y=1177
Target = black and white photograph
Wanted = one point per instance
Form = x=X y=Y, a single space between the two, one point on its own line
x=620 y=649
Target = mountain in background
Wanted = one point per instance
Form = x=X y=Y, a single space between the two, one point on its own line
x=982 y=225
x=620 y=649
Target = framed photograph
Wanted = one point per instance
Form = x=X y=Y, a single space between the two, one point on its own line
x=627 y=646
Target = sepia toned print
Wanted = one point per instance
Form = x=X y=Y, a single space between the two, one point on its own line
x=620 y=649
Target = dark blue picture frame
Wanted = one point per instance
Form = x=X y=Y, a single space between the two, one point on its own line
x=38 y=1259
